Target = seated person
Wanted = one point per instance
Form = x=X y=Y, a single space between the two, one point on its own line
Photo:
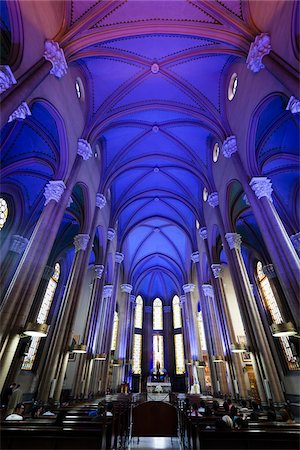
x=228 y=420
x=18 y=413
x=240 y=423
x=194 y=411
x=109 y=410
x=215 y=407
x=47 y=411
x=36 y=411
x=244 y=409
x=100 y=413
x=202 y=406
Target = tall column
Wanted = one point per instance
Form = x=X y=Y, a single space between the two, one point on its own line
x=295 y=239
x=147 y=345
x=186 y=341
x=278 y=243
x=253 y=325
x=53 y=62
x=130 y=333
x=169 y=339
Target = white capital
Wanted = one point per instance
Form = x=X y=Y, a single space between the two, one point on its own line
x=100 y=201
x=234 y=240
x=99 y=268
x=295 y=238
x=217 y=270
x=262 y=186
x=132 y=298
x=258 y=49
x=18 y=244
x=208 y=290
x=195 y=257
x=269 y=271
x=188 y=288
x=55 y=55
x=229 y=147
x=20 y=113
x=107 y=290
x=119 y=257
x=110 y=234
x=6 y=78
x=84 y=149
x=54 y=190
x=203 y=233
x=81 y=242
x=213 y=199
x=126 y=288
x=293 y=105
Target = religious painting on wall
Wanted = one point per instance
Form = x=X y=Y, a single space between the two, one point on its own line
x=75 y=341
x=246 y=356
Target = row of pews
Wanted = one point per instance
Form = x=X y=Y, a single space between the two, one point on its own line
x=74 y=427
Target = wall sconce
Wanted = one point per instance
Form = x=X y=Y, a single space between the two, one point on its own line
x=36 y=329
x=283 y=329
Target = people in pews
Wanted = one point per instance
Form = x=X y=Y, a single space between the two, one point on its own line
x=18 y=413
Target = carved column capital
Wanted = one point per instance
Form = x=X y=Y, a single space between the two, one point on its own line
x=182 y=300
x=203 y=233
x=54 y=190
x=258 y=49
x=127 y=288
x=100 y=201
x=269 y=271
x=81 y=242
x=262 y=186
x=119 y=257
x=234 y=240
x=99 y=268
x=217 y=270
x=293 y=105
x=195 y=257
x=56 y=56
x=48 y=272
x=295 y=238
x=213 y=199
x=107 y=290
x=7 y=78
x=18 y=244
x=110 y=234
x=20 y=113
x=229 y=147
x=132 y=299
x=208 y=290
x=188 y=288
x=84 y=149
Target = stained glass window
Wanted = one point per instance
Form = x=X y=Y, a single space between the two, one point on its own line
x=201 y=330
x=179 y=354
x=176 y=312
x=158 y=351
x=157 y=314
x=137 y=354
x=271 y=305
x=3 y=212
x=138 y=315
x=42 y=318
x=115 y=332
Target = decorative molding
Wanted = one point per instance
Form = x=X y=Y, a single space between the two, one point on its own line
x=119 y=257
x=111 y=234
x=56 y=56
x=84 y=149
x=167 y=309
x=234 y=241
x=100 y=201
x=203 y=233
x=155 y=129
x=81 y=242
x=262 y=186
x=132 y=299
x=213 y=199
x=18 y=244
x=208 y=290
x=182 y=300
x=188 y=288
x=54 y=190
x=195 y=257
x=258 y=49
x=107 y=290
x=127 y=288
x=293 y=105
x=295 y=238
x=99 y=268
x=217 y=270
x=269 y=271
x=155 y=68
x=229 y=147
x=7 y=78
x=20 y=113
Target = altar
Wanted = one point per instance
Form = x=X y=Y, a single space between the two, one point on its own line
x=158 y=387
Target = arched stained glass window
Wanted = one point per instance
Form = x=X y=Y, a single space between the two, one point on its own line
x=137 y=354
x=138 y=315
x=3 y=212
x=179 y=354
x=157 y=315
x=115 y=332
x=201 y=330
x=271 y=305
x=177 y=322
x=158 y=351
x=42 y=318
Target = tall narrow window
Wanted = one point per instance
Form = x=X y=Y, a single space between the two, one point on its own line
x=137 y=354
x=157 y=315
x=201 y=331
x=179 y=354
x=42 y=318
x=138 y=315
x=3 y=212
x=177 y=322
x=115 y=332
x=158 y=351
x=272 y=307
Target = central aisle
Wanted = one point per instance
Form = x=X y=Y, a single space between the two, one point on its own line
x=159 y=443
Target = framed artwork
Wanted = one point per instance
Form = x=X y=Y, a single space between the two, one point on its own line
x=246 y=356
x=75 y=340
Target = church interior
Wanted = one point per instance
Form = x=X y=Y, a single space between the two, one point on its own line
x=149 y=223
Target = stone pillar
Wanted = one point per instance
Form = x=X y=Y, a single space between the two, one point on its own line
x=130 y=333
x=18 y=245
x=278 y=243
x=53 y=62
x=169 y=349
x=147 y=344
x=186 y=341
x=295 y=239
x=254 y=328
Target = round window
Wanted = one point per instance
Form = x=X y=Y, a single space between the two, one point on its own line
x=216 y=152
x=232 y=88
